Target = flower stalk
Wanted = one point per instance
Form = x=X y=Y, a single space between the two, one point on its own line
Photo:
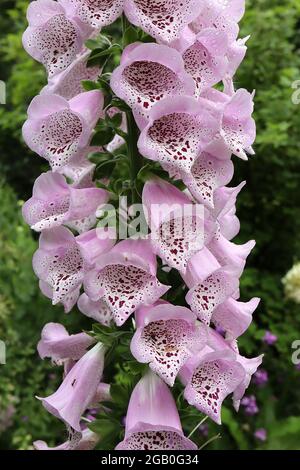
x=163 y=103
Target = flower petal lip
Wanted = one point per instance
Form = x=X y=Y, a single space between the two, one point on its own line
x=213 y=291
x=57 y=344
x=94 y=243
x=154 y=20
x=197 y=124
x=68 y=302
x=168 y=337
x=95 y=14
x=230 y=254
x=125 y=278
x=131 y=252
x=223 y=16
x=199 y=267
x=157 y=71
x=68 y=82
x=88 y=441
x=207 y=175
x=179 y=228
x=98 y=310
x=234 y=317
x=214 y=377
x=205 y=60
x=51 y=37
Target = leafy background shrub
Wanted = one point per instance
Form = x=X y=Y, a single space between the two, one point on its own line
x=269 y=209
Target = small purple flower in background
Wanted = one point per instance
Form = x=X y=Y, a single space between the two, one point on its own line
x=260 y=377
x=261 y=434
x=269 y=338
x=297 y=366
x=250 y=405
x=6 y=417
x=203 y=429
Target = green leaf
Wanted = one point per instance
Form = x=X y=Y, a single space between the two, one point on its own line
x=104 y=53
x=89 y=85
x=284 y=435
x=99 y=157
x=116 y=120
x=102 y=137
x=108 y=429
x=120 y=104
x=234 y=428
x=100 y=43
x=131 y=35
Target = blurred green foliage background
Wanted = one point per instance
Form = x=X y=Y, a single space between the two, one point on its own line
x=269 y=209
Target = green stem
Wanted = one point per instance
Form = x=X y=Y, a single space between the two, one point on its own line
x=125 y=25
x=212 y=439
x=132 y=138
x=197 y=427
x=133 y=154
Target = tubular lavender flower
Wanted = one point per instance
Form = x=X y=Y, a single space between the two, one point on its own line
x=156 y=130
x=146 y=426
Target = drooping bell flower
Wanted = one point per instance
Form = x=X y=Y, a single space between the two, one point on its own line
x=58 y=262
x=221 y=15
x=209 y=379
x=152 y=421
x=68 y=83
x=125 y=278
x=52 y=38
x=166 y=336
x=97 y=310
x=238 y=129
x=87 y=441
x=207 y=294
x=149 y=73
x=179 y=228
x=95 y=13
x=59 y=130
x=235 y=55
x=207 y=174
x=54 y=202
x=214 y=373
x=179 y=128
x=234 y=317
x=62 y=258
x=225 y=210
x=68 y=301
x=162 y=20
x=205 y=60
x=230 y=254
x=250 y=366
x=57 y=344
x=78 y=389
